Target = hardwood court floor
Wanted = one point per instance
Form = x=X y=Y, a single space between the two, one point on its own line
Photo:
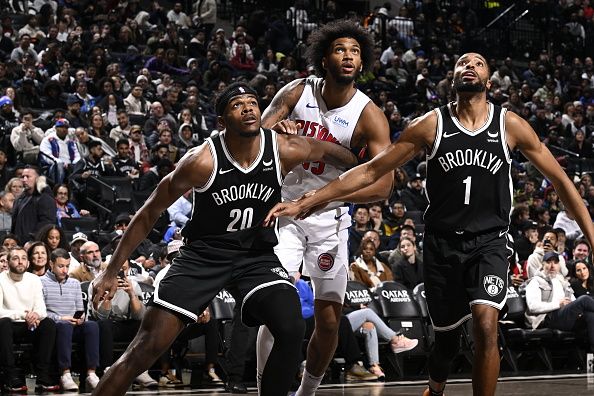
x=550 y=385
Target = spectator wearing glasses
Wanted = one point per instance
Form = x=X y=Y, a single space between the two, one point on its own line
x=65 y=208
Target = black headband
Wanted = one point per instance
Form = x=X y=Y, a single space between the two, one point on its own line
x=229 y=93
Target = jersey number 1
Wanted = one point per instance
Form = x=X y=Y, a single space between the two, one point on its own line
x=468 y=182
x=246 y=216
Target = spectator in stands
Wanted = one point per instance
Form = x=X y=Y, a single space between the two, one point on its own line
x=122 y=131
x=408 y=267
x=59 y=151
x=3 y=260
x=395 y=219
x=96 y=164
x=6 y=204
x=136 y=105
x=181 y=210
x=23 y=317
x=582 y=279
x=376 y=218
x=91 y=262
x=138 y=149
x=24 y=48
x=150 y=179
x=367 y=269
x=64 y=207
x=15 y=186
x=524 y=246
x=123 y=163
x=38 y=255
x=358 y=228
x=33 y=209
x=551 y=301
x=63 y=300
x=119 y=320
x=9 y=241
x=77 y=241
x=166 y=139
x=413 y=197
x=8 y=121
x=53 y=236
x=98 y=128
x=26 y=138
x=74 y=115
x=581 y=250
x=547 y=244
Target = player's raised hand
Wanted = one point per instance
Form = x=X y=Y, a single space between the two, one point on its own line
x=105 y=286
x=287 y=127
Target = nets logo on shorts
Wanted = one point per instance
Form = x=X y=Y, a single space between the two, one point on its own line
x=325 y=261
x=280 y=271
x=493 y=285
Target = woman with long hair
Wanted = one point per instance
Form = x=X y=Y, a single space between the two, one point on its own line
x=407 y=267
x=53 y=237
x=65 y=208
x=39 y=256
x=582 y=279
x=15 y=186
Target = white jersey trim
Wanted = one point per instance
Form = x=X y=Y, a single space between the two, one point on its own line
x=468 y=131
x=235 y=163
x=277 y=160
x=215 y=167
x=438 y=133
x=172 y=307
x=504 y=135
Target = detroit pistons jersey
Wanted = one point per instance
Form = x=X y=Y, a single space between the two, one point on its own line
x=229 y=210
x=315 y=120
x=469 y=185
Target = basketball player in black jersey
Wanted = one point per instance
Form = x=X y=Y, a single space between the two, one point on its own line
x=236 y=177
x=469 y=188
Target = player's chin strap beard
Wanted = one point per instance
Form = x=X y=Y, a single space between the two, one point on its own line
x=249 y=134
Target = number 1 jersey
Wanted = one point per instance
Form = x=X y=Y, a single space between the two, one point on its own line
x=469 y=185
x=229 y=210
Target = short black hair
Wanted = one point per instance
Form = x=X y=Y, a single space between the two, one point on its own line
x=320 y=40
x=94 y=143
x=122 y=141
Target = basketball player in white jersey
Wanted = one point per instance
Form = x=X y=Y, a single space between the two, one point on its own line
x=465 y=253
x=329 y=108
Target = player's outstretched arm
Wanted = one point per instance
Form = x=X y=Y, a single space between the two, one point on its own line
x=193 y=169
x=294 y=150
x=419 y=134
x=522 y=136
x=282 y=104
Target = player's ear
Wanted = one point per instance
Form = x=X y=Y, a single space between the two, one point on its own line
x=488 y=85
x=221 y=122
x=323 y=63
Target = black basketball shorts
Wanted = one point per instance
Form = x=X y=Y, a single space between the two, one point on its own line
x=463 y=270
x=201 y=271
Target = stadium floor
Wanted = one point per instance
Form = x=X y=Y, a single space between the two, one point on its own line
x=578 y=384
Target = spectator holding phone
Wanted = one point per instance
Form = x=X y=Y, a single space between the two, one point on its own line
x=547 y=244
x=119 y=320
x=64 y=304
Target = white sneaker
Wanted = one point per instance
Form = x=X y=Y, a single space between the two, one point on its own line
x=68 y=383
x=146 y=381
x=92 y=380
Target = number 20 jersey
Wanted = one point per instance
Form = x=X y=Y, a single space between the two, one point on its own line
x=469 y=186
x=229 y=210
x=315 y=120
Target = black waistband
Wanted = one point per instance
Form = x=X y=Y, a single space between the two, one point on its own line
x=462 y=233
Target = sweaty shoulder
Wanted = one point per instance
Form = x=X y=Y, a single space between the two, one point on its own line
x=196 y=165
x=372 y=124
x=283 y=103
x=421 y=130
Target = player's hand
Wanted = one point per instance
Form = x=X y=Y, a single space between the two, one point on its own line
x=564 y=302
x=205 y=317
x=105 y=286
x=286 y=127
x=288 y=209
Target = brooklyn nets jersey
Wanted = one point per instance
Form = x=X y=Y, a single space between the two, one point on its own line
x=229 y=210
x=469 y=185
x=315 y=120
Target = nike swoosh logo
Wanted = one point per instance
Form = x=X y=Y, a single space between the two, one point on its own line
x=267 y=163
x=338 y=217
x=493 y=135
x=222 y=172
x=311 y=106
x=502 y=233
x=447 y=135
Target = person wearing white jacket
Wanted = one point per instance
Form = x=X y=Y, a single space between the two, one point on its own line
x=551 y=302
x=26 y=138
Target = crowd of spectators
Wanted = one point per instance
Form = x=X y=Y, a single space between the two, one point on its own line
x=98 y=90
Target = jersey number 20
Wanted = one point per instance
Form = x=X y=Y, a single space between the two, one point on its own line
x=246 y=216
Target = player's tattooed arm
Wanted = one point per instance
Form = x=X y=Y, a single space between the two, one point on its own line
x=283 y=103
